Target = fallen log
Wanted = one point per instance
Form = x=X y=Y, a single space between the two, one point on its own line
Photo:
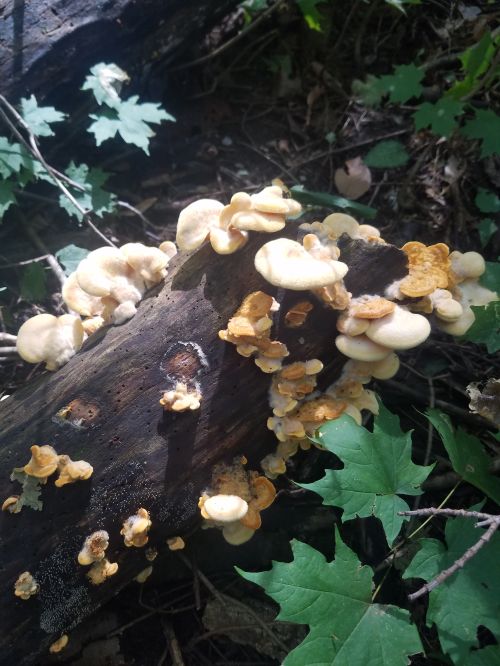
x=142 y=456
x=46 y=45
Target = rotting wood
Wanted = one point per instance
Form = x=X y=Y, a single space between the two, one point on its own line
x=141 y=455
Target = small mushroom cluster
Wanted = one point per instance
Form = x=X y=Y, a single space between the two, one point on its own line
x=26 y=586
x=234 y=501
x=227 y=227
x=249 y=329
x=43 y=463
x=182 y=398
x=93 y=553
x=105 y=288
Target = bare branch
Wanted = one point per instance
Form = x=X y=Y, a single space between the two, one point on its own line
x=487 y=519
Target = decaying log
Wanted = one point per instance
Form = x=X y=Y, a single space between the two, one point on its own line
x=142 y=456
x=45 y=45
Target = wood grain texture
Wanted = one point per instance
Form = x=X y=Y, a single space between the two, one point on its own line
x=141 y=455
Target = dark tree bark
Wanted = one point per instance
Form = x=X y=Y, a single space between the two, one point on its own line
x=142 y=456
x=45 y=44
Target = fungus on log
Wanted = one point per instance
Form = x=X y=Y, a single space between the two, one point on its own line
x=103 y=407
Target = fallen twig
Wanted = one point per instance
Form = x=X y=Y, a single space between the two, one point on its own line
x=484 y=520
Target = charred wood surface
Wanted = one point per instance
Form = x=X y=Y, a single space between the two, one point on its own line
x=142 y=456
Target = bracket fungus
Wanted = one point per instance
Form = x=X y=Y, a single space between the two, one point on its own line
x=181 y=399
x=101 y=570
x=94 y=548
x=135 y=529
x=48 y=338
x=26 y=586
x=176 y=543
x=43 y=462
x=59 y=645
x=71 y=471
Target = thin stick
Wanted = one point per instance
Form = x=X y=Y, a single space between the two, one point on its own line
x=8 y=337
x=33 y=148
x=493 y=521
x=8 y=351
x=173 y=643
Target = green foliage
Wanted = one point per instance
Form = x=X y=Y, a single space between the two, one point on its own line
x=334 y=599
x=31 y=490
x=488 y=656
x=377 y=470
x=469 y=598
x=312 y=16
x=70 y=256
x=128 y=118
x=475 y=62
x=386 y=155
x=467 y=455
x=309 y=198
x=7 y=196
x=491 y=277
x=486 y=229
x=486 y=326
x=485 y=126
x=486 y=201
x=39 y=118
x=404 y=83
x=370 y=91
x=11 y=157
x=440 y=117
x=33 y=283
x=93 y=198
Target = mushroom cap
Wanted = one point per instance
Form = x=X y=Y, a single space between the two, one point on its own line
x=225 y=508
x=101 y=269
x=195 y=222
x=340 y=223
x=79 y=300
x=270 y=200
x=386 y=368
x=43 y=462
x=399 y=330
x=52 y=339
x=168 y=248
x=263 y=492
x=285 y=263
x=149 y=262
x=448 y=309
x=237 y=534
x=254 y=220
x=227 y=241
x=467 y=265
x=352 y=326
x=361 y=348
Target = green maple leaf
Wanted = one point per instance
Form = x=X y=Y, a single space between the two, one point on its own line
x=470 y=597
x=485 y=126
x=312 y=16
x=387 y=154
x=31 y=490
x=404 y=83
x=334 y=599
x=370 y=91
x=486 y=201
x=12 y=156
x=488 y=656
x=491 y=276
x=7 y=196
x=486 y=229
x=440 y=117
x=377 y=469
x=131 y=120
x=93 y=198
x=467 y=455
x=70 y=256
x=486 y=326
x=38 y=118
x=105 y=81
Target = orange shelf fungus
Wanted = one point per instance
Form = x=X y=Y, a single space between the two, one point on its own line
x=135 y=529
x=59 y=645
x=43 y=463
x=176 y=543
x=71 y=471
x=101 y=570
x=429 y=269
x=54 y=340
x=11 y=504
x=26 y=586
x=298 y=313
x=181 y=399
x=94 y=548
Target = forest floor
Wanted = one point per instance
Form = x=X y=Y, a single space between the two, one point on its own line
x=273 y=99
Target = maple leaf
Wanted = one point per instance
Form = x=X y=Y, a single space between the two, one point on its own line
x=93 y=198
x=486 y=326
x=491 y=276
x=441 y=116
x=105 y=81
x=404 y=83
x=7 y=196
x=387 y=154
x=467 y=455
x=38 y=118
x=470 y=597
x=11 y=157
x=485 y=126
x=130 y=120
x=377 y=469
x=334 y=599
